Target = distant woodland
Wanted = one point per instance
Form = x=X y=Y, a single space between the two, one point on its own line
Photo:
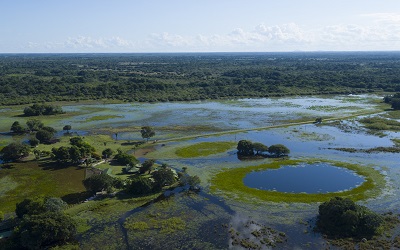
x=34 y=78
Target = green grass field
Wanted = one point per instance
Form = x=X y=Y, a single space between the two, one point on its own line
x=204 y=149
x=29 y=179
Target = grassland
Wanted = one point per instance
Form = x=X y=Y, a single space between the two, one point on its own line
x=22 y=180
x=230 y=183
x=204 y=149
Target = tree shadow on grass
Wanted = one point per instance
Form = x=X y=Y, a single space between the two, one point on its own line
x=76 y=198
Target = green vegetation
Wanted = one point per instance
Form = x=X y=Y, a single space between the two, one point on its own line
x=247 y=148
x=147 y=132
x=164 y=226
x=42 y=109
x=230 y=183
x=378 y=123
x=340 y=217
x=14 y=151
x=100 y=182
x=102 y=117
x=43 y=224
x=42 y=179
x=149 y=78
x=203 y=149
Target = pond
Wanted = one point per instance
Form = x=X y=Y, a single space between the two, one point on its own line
x=305 y=178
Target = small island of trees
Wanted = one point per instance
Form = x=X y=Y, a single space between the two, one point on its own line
x=247 y=148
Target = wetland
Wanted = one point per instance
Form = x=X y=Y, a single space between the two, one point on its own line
x=233 y=209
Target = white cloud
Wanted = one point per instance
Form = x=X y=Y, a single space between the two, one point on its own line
x=383 y=33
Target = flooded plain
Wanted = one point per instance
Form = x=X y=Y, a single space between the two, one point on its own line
x=203 y=120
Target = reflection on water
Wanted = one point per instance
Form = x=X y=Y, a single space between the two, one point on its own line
x=305 y=178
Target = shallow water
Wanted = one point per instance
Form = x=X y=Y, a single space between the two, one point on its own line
x=305 y=178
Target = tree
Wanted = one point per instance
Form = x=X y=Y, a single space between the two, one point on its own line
x=41 y=231
x=108 y=152
x=140 y=185
x=54 y=204
x=61 y=154
x=14 y=151
x=75 y=154
x=17 y=128
x=125 y=159
x=259 y=147
x=245 y=147
x=147 y=166
x=163 y=177
x=342 y=217
x=318 y=120
x=278 y=150
x=96 y=183
x=67 y=128
x=33 y=142
x=34 y=125
x=147 y=132
x=76 y=141
x=44 y=135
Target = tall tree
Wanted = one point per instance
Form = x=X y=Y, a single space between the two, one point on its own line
x=147 y=132
x=67 y=128
x=17 y=128
x=14 y=151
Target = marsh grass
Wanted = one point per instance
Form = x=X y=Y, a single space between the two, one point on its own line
x=204 y=149
x=378 y=123
x=230 y=183
x=102 y=117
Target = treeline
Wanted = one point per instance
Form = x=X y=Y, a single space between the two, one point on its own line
x=180 y=77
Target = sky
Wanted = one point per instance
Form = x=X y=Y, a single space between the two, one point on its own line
x=131 y=26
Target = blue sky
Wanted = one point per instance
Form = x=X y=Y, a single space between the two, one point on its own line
x=198 y=25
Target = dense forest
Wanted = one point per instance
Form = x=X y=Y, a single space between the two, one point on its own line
x=30 y=78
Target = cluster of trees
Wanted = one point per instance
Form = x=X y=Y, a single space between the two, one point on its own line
x=146 y=182
x=45 y=78
x=248 y=148
x=42 y=109
x=394 y=100
x=42 y=224
x=43 y=134
x=341 y=217
x=78 y=151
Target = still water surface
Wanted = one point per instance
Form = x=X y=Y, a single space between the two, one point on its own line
x=305 y=178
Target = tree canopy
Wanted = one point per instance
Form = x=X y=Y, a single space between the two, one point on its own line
x=147 y=132
x=342 y=217
x=100 y=182
x=17 y=128
x=278 y=150
x=14 y=151
x=245 y=147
